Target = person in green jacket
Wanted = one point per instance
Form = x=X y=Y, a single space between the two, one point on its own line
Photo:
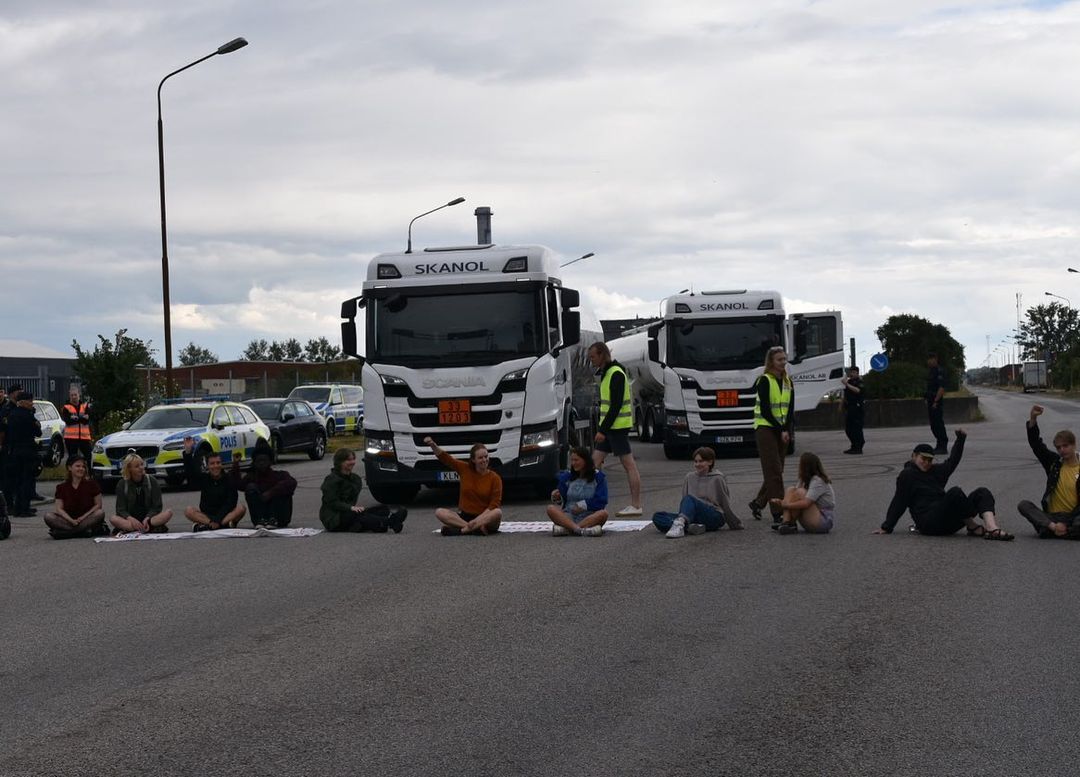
x=339 y=510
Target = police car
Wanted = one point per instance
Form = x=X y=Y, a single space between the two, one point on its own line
x=341 y=403
x=51 y=442
x=217 y=426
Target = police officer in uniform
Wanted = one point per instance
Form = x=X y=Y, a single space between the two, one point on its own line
x=853 y=410
x=935 y=403
x=21 y=454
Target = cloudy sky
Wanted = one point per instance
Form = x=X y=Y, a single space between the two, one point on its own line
x=876 y=157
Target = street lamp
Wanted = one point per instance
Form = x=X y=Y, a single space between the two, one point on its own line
x=456 y=201
x=574 y=261
x=1048 y=294
x=226 y=48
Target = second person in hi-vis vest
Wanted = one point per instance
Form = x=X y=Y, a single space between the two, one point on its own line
x=616 y=418
x=774 y=411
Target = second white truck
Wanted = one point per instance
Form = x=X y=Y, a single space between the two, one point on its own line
x=693 y=372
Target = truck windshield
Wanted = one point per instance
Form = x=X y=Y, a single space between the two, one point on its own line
x=732 y=344
x=467 y=327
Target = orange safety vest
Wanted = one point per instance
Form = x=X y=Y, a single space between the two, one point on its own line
x=77 y=430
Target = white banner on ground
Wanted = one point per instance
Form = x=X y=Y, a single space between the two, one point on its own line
x=220 y=534
x=536 y=527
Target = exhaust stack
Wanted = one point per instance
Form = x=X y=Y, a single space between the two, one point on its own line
x=483 y=225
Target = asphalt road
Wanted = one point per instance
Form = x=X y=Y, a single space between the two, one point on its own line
x=742 y=653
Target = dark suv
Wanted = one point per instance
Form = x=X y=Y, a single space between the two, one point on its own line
x=294 y=426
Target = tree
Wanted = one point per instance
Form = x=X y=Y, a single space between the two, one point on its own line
x=192 y=354
x=293 y=350
x=111 y=378
x=907 y=339
x=256 y=351
x=321 y=351
x=276 y=352
x=1049 y=330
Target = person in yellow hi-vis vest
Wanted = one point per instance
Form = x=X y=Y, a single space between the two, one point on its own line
x=774 y=412
x=616 y=418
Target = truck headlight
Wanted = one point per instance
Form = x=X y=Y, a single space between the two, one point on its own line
x=380 y=446
x=392 y=380
x=677 y=423
x=534 y=441
x=516 y=374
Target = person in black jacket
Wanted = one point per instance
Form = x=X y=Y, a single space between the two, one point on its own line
x=920 y=488
x=218 y=499
x=1059 y=515
x=20 y=454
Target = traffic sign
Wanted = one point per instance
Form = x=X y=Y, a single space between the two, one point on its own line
x=879 y=362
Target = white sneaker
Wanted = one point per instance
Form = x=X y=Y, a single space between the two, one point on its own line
x=592 y=531
x=628 y=511
x=695 y=528
x=678 y=529
x=559 y=531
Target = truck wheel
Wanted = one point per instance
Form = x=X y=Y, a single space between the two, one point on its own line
x=642 y=429
x=393 y=494
x=653 y=434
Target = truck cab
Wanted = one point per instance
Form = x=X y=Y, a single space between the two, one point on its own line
x=467 y=345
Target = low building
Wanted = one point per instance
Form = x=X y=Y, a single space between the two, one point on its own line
x=46 y=373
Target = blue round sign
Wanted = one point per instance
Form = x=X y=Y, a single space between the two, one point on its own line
x=879 y=362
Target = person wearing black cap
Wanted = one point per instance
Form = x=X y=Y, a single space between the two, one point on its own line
x=920 y=488
x=269 y=492
x=20 y=454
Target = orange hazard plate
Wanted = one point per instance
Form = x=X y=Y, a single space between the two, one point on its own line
x=455 y=411
x=727 y=398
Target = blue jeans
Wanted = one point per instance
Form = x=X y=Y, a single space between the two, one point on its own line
x=696 y=511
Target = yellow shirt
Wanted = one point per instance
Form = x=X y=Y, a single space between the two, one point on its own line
x=1063 y=499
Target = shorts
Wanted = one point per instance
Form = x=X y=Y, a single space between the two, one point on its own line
x=826 y=522
x=616 y=441
x=466 y=516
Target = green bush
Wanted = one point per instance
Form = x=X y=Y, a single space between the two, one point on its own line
x=902 y=380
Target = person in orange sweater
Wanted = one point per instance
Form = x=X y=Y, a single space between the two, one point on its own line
x=480 y=499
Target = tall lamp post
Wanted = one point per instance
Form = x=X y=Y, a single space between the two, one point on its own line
x=1049 y=294
x=227 y=48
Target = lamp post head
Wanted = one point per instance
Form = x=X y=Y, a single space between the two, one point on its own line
x=231 y=46
x=1072 y=270
x=458 y=201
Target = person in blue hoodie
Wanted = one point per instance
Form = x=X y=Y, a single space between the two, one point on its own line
x=579 y=503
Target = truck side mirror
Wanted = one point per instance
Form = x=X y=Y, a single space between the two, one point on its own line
x=654 y=350
x=571 y=327
x=348 y=337
x=570 y=298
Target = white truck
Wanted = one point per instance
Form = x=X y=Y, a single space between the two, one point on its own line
x=471 y=344
x=1035 y=376
x=693 y=372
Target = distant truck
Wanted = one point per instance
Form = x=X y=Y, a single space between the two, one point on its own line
x=1035 y=376
x=693 y=372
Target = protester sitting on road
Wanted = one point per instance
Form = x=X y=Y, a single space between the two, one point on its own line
x=269 y=492
x=218 y=502
x=579 y=502
x=811 y=502
x=77 y=511
x=340 y=490
x=479 y=497
x=138 y=500
x=705 y=504
x=920 y=488
x=1059 y=515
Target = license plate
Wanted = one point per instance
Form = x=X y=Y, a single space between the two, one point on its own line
x=729 y=438
x=727 y=398
x=447 y=477
x=455 y=412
